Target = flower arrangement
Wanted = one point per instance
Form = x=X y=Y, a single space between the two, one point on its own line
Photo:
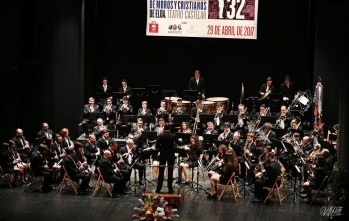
x=154 y=208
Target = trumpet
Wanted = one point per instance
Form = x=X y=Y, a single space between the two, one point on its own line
x=107 y=109
x=124 y=107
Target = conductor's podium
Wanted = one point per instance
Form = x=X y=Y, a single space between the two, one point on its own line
x=173 y=199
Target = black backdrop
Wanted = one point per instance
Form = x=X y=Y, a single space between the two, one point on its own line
x=67 y=52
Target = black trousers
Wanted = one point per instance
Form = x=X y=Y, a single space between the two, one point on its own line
x=162 y=165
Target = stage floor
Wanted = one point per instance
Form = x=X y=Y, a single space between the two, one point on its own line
x=15 y=204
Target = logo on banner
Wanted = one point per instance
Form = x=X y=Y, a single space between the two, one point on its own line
x=153 y=28
x=174 y=27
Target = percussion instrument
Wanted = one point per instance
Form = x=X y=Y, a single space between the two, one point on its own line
x=208 y=105
x=222 y=100
x=186 y=104
x=169 y=101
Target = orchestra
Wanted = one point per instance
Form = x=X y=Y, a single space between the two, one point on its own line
x=263 y=149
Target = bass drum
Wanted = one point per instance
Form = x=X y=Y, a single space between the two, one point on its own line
x=208 y=105
x=222 y=100
x=186 y=104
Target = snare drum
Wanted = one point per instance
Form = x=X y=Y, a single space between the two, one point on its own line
x=208 y=105
x=223 y=100
x=186 y=104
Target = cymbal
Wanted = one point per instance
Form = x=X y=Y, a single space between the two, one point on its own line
x=265 y=95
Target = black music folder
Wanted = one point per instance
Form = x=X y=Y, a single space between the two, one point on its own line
x=151 y=135
x=209 y=137
x=93 y=116
x=178 y=118
x=184 y=136
x=230 y=118
x=269 y=119
x=204 y=118
x=148 y=118
x=130 y=118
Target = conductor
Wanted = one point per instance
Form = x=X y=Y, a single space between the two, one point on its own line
x=165 y=144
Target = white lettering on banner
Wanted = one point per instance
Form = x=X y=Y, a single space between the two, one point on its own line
x=203 y=18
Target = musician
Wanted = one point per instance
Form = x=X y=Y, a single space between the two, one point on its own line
x=316 y=134
x=18 y=163
x=7 y=163
x=263 y=111
x=111 y=173
x=45 y=132
x=144 y=110
x=227 y=135
x=125 y=108
x=320 y=172
x=237 y=144
x=161 y=126
x=131 y=155
x=162 y=111
x=242 y=120
x=109 y=111
x=99 y=128
x=75 y=172
x=294 y=126
x=268 y=86
x=104 y=88
x=184 y=128
x=283 y=118
x=80 y=158
x=272 y=170
x=287 y=89
x=194 y=115
x=191 y=161
x=91 y=107
x=40 y=167
x=222 y=177
x=58 y=146
x=306 y=144
x=136 y=132
x=67 y=142
x=197 y=83
x=209 y=145
x=103 y=142
x=315 y=153
x=165 y=143
x=22 y=145
x=218 y=161
x=218 y=113
x=91 y=150
x=266 y=133
x=125 y=89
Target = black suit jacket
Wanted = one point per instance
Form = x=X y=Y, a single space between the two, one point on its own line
x=287 y=91
x=100 y=89
x=41 y=133
x=71 y=167
x=199 y=87
x=264 y=88
x=165 y=144
x=102 y=143
x=106 y=168
x=128 y=91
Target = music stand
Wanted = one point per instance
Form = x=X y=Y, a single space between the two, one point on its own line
x=209 y=138
x=139 y=92
x=269 y=119
x=219 y=142
x=204 y=118
x=154 y=89
x=279 y=132
x=130 y=118
x=102 y=97
x=276 y=97
x=146 y=154
x=184 y=136
x=148 y=118
x=190 y=95
x=93 y=116
x=118 y=95
x=230 y=118
x=181 y=153
x=149 y=135
x=178 y=118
